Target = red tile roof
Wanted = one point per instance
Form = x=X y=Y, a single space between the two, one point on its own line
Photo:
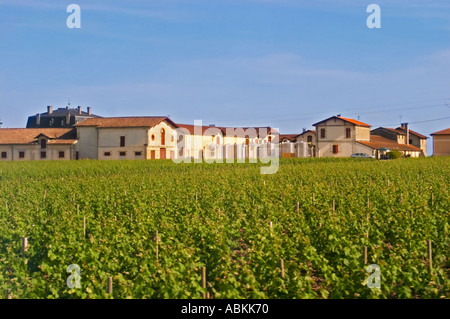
x=29 y=135
x=114 y=122
x=289 y=137
x=377 y=142
x=307 y=131
x=355 y=122
x=442 y=132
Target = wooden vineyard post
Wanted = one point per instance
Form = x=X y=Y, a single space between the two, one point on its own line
x=368 y=202
x=196 y=196
x=6 y=205
x=365 y=255
x=78 y=209
x=24 y=245
x=73 y=200
x=282 y=267
x=204 y=281
x=411 y=214
x=270 y=226
x=432 y=200
x=157 y=252
x=430 y=255
x=313 y=199
x=131 y=217
x=334 y=205
x=298 y=207
x=45 y=194
x=8 y=294
x=84 y=226
x=110 y=285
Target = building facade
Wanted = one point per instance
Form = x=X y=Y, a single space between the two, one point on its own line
x=127 y=138
x=338 y=136
x=441 y=142
x=21 y=144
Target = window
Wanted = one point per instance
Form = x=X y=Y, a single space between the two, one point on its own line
x=410 y=141
x=122 y=141
x=61 y=154
x=4 y=154
x=335 y=149
x=163 y=137
x=309 y=139
x=122 y=153
x=43 y=143
x=137 y=153
x=107 y=153
x=21 y=154
x=322 y=133
x=172 y=139
x=218 y=140
x=153 y=137
x=43 y=154
x=348 y=133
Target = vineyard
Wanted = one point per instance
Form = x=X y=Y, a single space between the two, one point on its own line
x=155 y=229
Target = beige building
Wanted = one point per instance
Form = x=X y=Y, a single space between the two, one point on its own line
x=441 y=142
x=216 y=143
x=127 y=138
x=22 y=144
x=200 y=141
x=380 y=145
x=338 y=136
x=403 y=135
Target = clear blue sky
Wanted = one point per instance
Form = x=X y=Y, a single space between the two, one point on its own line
x=283 y=63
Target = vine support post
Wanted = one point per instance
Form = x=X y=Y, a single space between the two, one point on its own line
x=282 y=267
x=84 y=226
x=298 y=207
x=24 y=245
x=110 y=285
x=365 y=255
x=430 y=255
x=157 y=243
x=204 y=281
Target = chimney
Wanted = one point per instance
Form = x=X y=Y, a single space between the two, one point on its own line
x=79 y=109
x=304 y=130
x=407 y=133
x=49 y=109
x=68 y=118
x=38 y=119
x=89 y=110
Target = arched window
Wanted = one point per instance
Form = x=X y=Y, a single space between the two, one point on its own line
x=163 y=137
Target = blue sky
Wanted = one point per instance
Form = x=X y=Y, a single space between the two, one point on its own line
x=287 y=64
